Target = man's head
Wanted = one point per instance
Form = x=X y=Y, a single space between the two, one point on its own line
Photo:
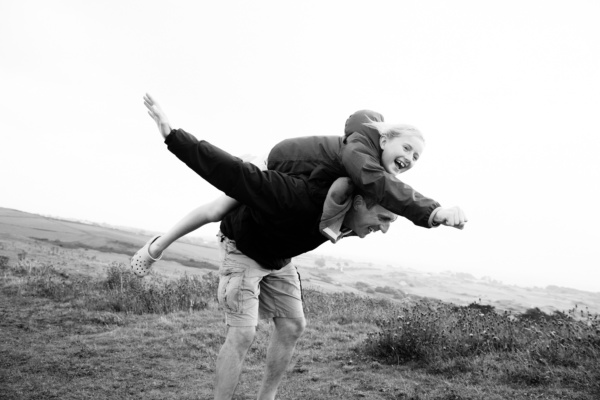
x=365 y=217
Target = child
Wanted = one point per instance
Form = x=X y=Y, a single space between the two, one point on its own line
x=371 y=153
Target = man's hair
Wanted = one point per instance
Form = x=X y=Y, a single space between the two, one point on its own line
x=394 y=130
x=370 y=200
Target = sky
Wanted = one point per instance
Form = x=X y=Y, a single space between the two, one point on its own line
x=506 y=94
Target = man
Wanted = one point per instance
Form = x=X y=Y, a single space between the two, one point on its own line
x=276 y=221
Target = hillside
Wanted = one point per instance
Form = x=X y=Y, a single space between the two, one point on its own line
x=20 y=232
x=76 y=323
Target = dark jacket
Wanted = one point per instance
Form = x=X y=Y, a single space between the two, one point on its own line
x=356 y=155
x=278 y=218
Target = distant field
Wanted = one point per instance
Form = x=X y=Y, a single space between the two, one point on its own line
x=30 y=230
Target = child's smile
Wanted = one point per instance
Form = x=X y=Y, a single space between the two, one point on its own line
x=399 y=154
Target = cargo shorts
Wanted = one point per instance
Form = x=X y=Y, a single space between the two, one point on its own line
x=248 y=291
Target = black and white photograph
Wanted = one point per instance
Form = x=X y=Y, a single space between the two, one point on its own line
x=238 y=200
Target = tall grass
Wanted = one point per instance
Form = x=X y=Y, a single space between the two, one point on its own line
x=431 y=332
x=119 y=291
x=344 y=308
x=125 y=292
x=531 y=349
x=548 y=350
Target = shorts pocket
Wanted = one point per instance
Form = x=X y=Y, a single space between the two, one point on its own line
x=231 y=281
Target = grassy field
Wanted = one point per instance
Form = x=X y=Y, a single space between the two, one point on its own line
x=75 y=324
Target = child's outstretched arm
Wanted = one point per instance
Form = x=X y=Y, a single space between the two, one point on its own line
x=453 y=216
x=361 y=159
x=393 y=194
x=362 y=162
x=206 y=213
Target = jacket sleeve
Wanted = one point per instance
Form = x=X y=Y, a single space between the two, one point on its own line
x=270 y=192
x=362 y=163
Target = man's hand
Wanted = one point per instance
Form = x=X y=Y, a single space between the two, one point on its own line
x=453 y=216
x=157 y=115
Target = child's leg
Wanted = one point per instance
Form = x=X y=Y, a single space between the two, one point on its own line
x=210 y=212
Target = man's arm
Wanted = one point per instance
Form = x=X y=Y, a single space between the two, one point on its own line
x=158 y=115
x=268 y=191
x=271 y=192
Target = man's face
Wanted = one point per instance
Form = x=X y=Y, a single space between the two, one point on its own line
x=363 y=220
x=400 y=153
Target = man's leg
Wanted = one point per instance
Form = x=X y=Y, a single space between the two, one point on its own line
x=238 y=294
x=230 y=360
x=281 y=300
x=283 y=342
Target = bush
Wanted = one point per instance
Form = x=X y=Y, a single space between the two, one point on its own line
x=320 y=262
x=362 y=285
x=398 y=294
x=432 y=333
x=46 y=280
x=125 y=292
x=533 y=314
x=483 y=308
x=121 y=291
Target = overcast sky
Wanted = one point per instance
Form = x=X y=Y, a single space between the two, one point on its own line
x=506 y=93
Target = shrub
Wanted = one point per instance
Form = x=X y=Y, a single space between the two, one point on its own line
x=391 y=291
x=125 y=292
x=46 y=280
x=362 y=285
x=431 y=333
x=320 y=262
x=534 y=314
x=483 y=308
x=121 y=291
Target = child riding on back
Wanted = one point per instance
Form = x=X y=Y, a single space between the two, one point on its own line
x=371 y=153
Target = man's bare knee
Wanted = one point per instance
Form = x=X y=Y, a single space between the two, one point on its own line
x=240 y=337
x=291 y=327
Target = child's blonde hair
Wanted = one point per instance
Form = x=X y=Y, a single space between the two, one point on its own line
x=394 y=130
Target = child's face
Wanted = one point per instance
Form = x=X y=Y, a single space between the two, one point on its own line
x=400 y=153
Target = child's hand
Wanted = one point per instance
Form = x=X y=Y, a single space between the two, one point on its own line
x=453 y=216
x=157 y=115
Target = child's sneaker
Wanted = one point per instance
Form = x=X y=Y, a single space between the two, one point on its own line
x=142 y=261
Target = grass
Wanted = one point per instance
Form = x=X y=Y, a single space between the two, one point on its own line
x=70 y=336
x=120 y=291
x=557 y=351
